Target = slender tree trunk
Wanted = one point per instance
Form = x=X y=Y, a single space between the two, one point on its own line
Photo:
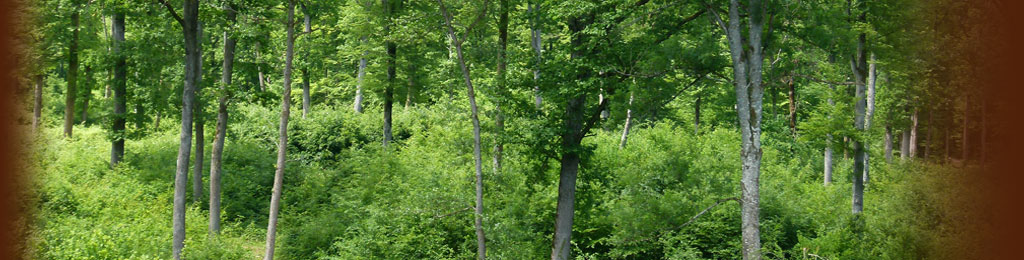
x=828 y=159
x=222 y=124
x=72 y=77
x=868 y=113
x=535 y=42
x=629 y=118
x=282 y=139
x=389 y=87
x=259 y=68
x=86 y=94
x=120 y=89
x=792 y=106
x=189 y=24
x=499 y=117
x=913 y=134
x=410 y=85
x=37 y=108
x=478 y=223
x=357 y=105
x=905 y=145
x=107 y=35
x=888 y=144
x=305 y=69
x=197 y=172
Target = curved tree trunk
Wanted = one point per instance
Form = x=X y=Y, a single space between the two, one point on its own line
x=222 y=122
x=282 y=139
x=120 y=73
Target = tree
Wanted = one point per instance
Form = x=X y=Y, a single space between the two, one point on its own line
x=120 y=74
x=222 y=119
x=392 y=50
x=747 y=65
x=282 y=139
x=481 y=240
x=190 y=28
x=72 y=76
x=499 y=118
x=307 y=28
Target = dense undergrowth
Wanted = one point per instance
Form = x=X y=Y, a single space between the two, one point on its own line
x=347 y=197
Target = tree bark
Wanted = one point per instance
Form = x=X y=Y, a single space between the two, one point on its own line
x=222 y=123
x=86 y=94
x=860 y=68
x=120 y=89
x=189 y=24
x=870 y=110
x=828 y=144
x=200 y=146
x=499 y=117
x=792 y=106
x=747 y=64
x=389 y=99
x=307 y=28
x=72 y=76
x=37 y=108
x=357 y=105
x=535 y=41
x=629 y=118
x=478 y=223
x=696 y=115
x=913 y=134
x=282 y=139
x=905 y=145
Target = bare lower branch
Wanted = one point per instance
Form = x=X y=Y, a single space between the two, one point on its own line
x=174 y=14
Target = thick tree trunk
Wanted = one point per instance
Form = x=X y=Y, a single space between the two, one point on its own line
x=389 y=87
x=282 y=138
x=222 y=124
x=120 y=89
x=357 y=105
x=570 y=161
x=189 y=24
x=72 y=77
x=747 y=64
x=629 y=118
x=860 y=68
x=478 y=162
x=307 y=28
x=37 y=108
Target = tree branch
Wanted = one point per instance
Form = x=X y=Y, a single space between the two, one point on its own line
x=174 y=14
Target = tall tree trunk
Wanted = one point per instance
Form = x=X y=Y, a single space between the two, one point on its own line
x=410 y=85
x=860 y=68
x=479 y=208
x=357 y=105
x=629 y=118
x=72 y=77
x=792 y=106
x=389 y=87
x=86 y=94
x=120 y=89
x=307 y=28
x=189 y=24
x=913 y=134
x=222 y=124
x=282 y=138
x=828 y=143
x=535 y=42
x=499 y=117
x=107 y=35
x=870 y=110
x=197 y=172
x=37 y=108
x=747 y=64
x=888 y=144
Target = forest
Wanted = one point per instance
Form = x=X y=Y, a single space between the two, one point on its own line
x=504 y=129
